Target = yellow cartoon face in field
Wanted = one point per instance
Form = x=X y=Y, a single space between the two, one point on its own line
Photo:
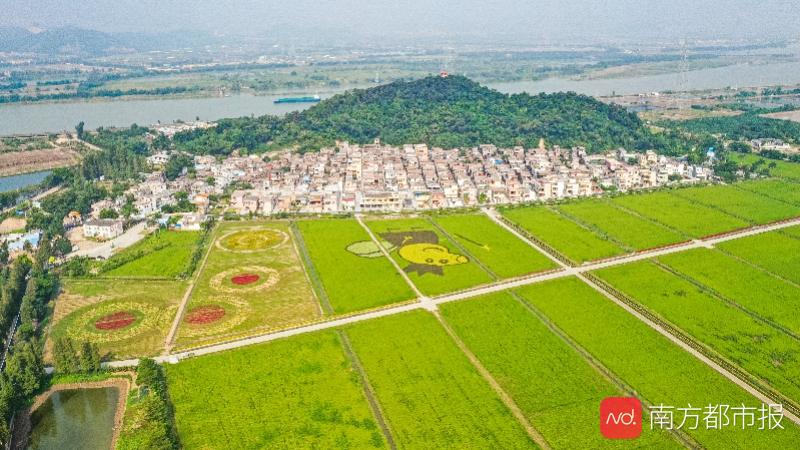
x=431 y=255
x=423 y=252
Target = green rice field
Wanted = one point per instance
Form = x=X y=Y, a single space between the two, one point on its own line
x=633 y=232
x=527 y=359
x=162 y=254
x=565 y=236
x=758 y=348
x=343 y=255
x=497 y=249
x=433 y=263
x=659 y=371
x=749 y=206
x=296 y=393
x=758 y=292
x=428 y=390
x=782 y=190
x=274 y=291
x=777 y=252
x=680 y=214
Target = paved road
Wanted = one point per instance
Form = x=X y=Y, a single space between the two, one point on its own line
x=562 y=272
x=106 y=249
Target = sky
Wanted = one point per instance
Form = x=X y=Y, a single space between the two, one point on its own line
x=550 y=21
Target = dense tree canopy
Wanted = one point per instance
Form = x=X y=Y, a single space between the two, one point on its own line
x=447 y=112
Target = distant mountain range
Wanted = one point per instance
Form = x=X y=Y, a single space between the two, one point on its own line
x=449 y=112
x=81 y=42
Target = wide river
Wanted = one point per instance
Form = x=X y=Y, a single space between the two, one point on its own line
x=53 y=117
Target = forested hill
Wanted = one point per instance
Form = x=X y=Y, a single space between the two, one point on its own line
x=448 y=112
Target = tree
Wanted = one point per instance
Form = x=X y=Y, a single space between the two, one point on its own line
x=89 y=358
x=108 y=213
x=4 y=253
x=25 y=369
x=129 y=208
x=65 y=357
x=79 y=129
x=62 y=247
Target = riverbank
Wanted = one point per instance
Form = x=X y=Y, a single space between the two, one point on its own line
x=122 y=381
x=33 y=161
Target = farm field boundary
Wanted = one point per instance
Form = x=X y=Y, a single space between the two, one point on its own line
x=333 y=322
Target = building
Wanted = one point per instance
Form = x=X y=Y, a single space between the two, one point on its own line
x=102 y=228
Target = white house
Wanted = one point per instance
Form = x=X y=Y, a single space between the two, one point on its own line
x=102 y=228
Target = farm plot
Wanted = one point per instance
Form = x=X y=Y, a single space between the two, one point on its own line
x=659 y=371
x=428 y=390
x=778 y=189
x=433 y=263
x=125 y=318
x=353 y=271
x=760 y=349
x=300 y=392
x=528 y=360
x=253 y=281
x=739 y=203
x=163 y=254
x=759 y=292
x=565 y=236
x=681 y=214
x=632 y=231
x=783 y=169
x=500 y=251
x=777 y=252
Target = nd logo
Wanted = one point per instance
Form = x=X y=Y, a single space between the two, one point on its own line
x=621 y=417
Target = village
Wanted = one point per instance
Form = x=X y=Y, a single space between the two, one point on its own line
x=350 y=178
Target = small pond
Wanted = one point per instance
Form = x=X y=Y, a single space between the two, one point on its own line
x=75 y=419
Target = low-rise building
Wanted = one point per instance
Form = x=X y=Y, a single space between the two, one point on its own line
x=102 y=228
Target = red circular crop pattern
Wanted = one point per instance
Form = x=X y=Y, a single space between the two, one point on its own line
x=205 y=314
x=245 y=278
x=115 y=321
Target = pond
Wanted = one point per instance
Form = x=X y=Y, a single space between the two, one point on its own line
x=15 y=182
x=78 y=418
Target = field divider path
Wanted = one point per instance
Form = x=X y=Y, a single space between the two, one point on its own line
x=598 y=366
x=566 y=271
x=369 y=393
x=765 y=395
x=311 y=271
x=173 y=330
x=533 y=433
x=386 y=254
x=495 y=216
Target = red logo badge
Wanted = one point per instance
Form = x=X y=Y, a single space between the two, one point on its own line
x=621 y=417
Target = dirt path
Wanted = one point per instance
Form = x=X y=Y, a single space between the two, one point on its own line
x=533 y=433
x=173 y=330
x=565 y=271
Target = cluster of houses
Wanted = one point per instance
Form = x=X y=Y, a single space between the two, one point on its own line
x=376 y=177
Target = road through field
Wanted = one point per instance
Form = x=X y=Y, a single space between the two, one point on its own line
x=564 y=271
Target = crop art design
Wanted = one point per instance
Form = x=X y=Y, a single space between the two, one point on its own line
x=423 y=251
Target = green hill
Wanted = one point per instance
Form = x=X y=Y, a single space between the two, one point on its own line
x=447 y=112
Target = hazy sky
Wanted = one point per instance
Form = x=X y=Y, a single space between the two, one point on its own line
x=550 y=20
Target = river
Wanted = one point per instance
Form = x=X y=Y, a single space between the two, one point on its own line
x=53 y=117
